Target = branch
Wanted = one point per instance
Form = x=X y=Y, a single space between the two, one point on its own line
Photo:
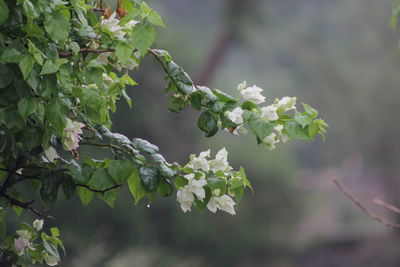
x=85 y=50
x=98 y=191
x=363 y=208
x=386 y=205
x=105 y=145
x=27 y=206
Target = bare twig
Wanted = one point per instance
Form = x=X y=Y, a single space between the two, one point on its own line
x=363 y=208
x=27 y=206
x=99 y=191
x=85 y=50
x=386 y=205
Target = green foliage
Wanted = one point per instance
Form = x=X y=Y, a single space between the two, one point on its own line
x=62 y=70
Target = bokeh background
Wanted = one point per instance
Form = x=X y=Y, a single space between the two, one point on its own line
x=339 y=56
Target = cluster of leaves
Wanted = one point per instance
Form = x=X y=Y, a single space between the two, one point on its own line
x=63 y=67
x=30 y=245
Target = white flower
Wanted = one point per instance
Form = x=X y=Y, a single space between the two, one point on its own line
x=268 y=113
x=240 y=130
x=50 y=259
x=200 y=163
x=286 y=103
x=220 y=163
x=20 y=245
x=24 y=233
x=111 y=24
x=278 y=129
x=51 y=154
x=235 y=115
x=72 y=133
x=270 y=141
x=224 y=203
x=241 y=86
x=185 y=195
x=253 y=94
x=38 y=224
x=130 y=24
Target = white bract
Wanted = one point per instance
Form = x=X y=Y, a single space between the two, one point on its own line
x=270 y=141
x=286 y=103
x=72 y=133
x=201 y=162
x=130 y=24
x=268 y=113
x=253 y=94
x=241 y=86
x=111 y=24
x=20 y=244
x=223 y=202
x=50 y=259
x=278 y=130
x=235 y=115
x=38 y=224
x=51 y=154
x=220 y=163
x=240 y=130
x=185 y=195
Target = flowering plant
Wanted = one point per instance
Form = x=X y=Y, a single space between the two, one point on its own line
x=62 y=71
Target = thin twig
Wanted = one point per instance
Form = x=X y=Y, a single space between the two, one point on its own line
x=386 y=205
x=363 y=208
x=99 y=191
x=27 y=206
x=85 y=50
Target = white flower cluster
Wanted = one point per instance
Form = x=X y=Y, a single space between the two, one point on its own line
x=72 y=133
x=112 y=24
x=201 y=166
x=267 y=113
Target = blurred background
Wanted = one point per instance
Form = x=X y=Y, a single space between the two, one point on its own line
x=339 y=56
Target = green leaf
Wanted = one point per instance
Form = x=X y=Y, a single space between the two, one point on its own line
x=259 y=127
x=150 y=177
x=176 y=103
x=223 y=97
x=10 y=55
x=165 y=188
x=135 y=186
x=57 y=25
x=55 y=232
x=85 y=195
x=295 y=130
x=249 y=105
x=49 y=67
x=155 y=19
x=51 y=248
x=208 y=123
x=26 y=65
x=303 y=118
x=180 y=182
x=120 y=170
x=101 y=180
x=68 y=186
x=56 y=114
x=6 y=76
x=216 y=183
x=195 y=100
x=49 y=188
x=3 y=223
x=3 y=12
x=142 y=37
x=310 y=111
x=26 y=106
x=123 y=52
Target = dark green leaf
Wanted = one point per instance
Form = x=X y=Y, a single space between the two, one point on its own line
x=51 y=249
x=249 y=105
x=101 y=180
x=180 y=182
x=3 y=12
x=68 y=186
x=195 y=100
x=26 y=106
x=176 y=103
x=57 y=26
x=10 y=55
x=216 y=183
x=123 y=52
x=150 y=177
x=56 y=113
x=49 y=188
x=49 y=67
x=120 y=170
x=165 y=188
x=26 y=65
x=6 y=76
x=208 y=123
